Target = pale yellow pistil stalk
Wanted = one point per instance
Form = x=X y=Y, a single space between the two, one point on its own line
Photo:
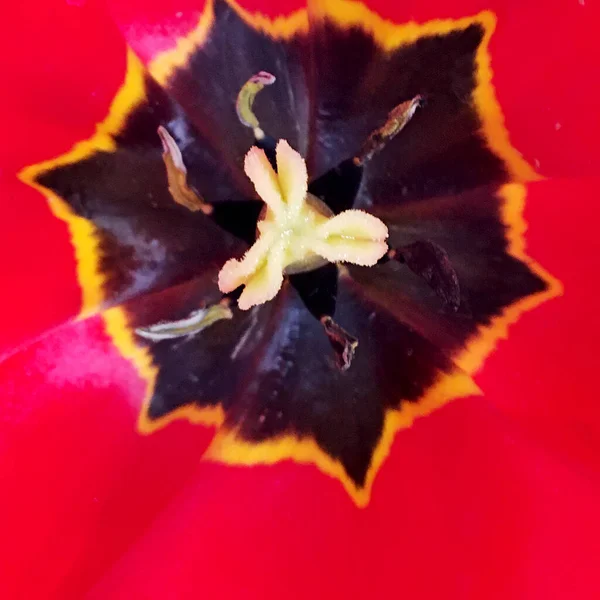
x=296 y=232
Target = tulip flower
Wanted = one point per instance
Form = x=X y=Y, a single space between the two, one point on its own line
x=299 y=300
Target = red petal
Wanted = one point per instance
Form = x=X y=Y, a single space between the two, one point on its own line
x=79 y=483
x=465 y=506
x=37 y=269
x=57 y=94
x=66 y=63
x=463 y=509
x=151 y=27
x=543 y=58
x=545 y=373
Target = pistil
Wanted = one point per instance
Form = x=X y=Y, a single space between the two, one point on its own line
x=295 y=233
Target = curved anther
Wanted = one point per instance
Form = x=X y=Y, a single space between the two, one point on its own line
x=177 y=176
x=343 y=344
x=196 y=322
x=430 y=262
x=245 y=101
x=397 y=119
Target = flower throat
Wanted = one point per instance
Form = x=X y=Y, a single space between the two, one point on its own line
x=299 y=230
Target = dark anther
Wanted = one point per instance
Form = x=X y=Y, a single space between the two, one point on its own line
x=397 y=119
x=341 y=341
x=422 y=101
x=430 y=261
x=177 y=176
x=318 y=290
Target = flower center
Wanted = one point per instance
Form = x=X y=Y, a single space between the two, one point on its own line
x=296 y=232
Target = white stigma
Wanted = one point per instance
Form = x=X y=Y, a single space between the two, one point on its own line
x=295 y=233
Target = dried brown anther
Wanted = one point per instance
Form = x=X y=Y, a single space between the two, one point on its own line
x=177 y=176
x=397 y=119
x=431 y=262
x=343 y=344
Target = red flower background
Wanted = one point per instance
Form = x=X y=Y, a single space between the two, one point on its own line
x=492 y=497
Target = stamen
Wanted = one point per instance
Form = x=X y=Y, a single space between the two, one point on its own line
x=195 y=323
x=177 y=176
x=396 y=121
x=296 y=232
x=343 y=344
x=431 y=262
x=318 y=290
x=245 y=100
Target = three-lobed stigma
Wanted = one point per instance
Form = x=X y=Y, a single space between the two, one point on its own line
x=296 y=232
